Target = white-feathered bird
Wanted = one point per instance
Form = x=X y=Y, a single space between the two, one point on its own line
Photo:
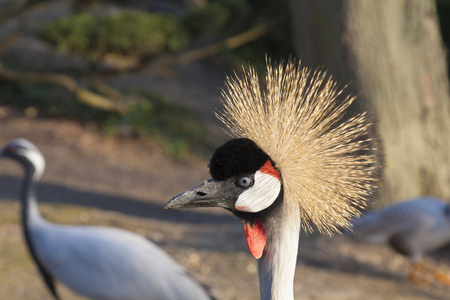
x=412 y=228
x=96 y=262
x=293 y=160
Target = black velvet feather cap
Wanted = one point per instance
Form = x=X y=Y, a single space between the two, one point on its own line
x=236 y=157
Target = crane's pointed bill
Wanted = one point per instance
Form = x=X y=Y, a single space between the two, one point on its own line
x=210 y=193
x=7 y=151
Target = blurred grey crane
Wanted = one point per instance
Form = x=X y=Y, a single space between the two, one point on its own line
x=412 y=228
x=97 y=262
x=294 y=160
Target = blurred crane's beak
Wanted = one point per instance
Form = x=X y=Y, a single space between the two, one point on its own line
x=210 y=193
x=4 y=152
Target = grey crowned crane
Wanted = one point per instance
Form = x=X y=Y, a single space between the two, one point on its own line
x=412 y=228
x=97 y=262
x=294 y=160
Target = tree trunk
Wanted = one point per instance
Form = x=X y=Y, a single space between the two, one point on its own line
x=391 y=52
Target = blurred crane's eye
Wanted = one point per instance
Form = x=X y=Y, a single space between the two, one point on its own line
x=244 y=181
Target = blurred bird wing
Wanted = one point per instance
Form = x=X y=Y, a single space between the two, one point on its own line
x=408 y=216
x=126 y=265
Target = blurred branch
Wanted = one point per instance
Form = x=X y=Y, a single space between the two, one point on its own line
x=10 y=9
x=213 y=49
x=106 y=90
x=82 y=94
x=11 y=22
x=12 y=16
x=8 y=34
x=230 y=43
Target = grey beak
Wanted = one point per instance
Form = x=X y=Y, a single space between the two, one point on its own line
x=210 y=193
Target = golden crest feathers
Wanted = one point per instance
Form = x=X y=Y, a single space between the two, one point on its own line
x=327 y=164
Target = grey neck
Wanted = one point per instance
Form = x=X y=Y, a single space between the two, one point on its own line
x=30 y=210
x=276 y=268
x=31 y=216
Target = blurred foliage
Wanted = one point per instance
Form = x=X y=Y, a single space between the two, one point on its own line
x=220 y=18
x=126 y=33
x=213 y=21
x=216 y=17
x=146 y=35
x=169 y=125
x=47 y=100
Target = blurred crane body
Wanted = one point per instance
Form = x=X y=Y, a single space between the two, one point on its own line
x=97 y=262
x=412 y=228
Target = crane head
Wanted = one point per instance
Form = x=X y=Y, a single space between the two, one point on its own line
x=244 y=179
x=26 y=153
x=296 y=145
x=245 y=182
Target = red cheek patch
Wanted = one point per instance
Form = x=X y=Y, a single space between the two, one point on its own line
x=268 y=169
x=255 y=236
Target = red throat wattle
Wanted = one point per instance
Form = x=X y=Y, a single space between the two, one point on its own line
x=255 y=236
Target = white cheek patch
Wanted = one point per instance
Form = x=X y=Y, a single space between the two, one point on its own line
x=261 y=195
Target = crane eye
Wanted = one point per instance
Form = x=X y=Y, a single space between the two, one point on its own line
x=244 y=181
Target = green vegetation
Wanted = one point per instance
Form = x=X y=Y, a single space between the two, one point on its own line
x=216 y=17
x=48 y=100
x=143 y=35
x=224 y=18
x=233 y=16
x=167 y=124
x=126 y=33
x=147 y=35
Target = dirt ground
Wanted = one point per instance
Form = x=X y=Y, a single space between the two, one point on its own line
x=93 y=179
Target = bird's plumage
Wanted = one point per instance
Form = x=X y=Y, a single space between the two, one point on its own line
x=101 y=263
x=296 y=118
x=120 y=265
